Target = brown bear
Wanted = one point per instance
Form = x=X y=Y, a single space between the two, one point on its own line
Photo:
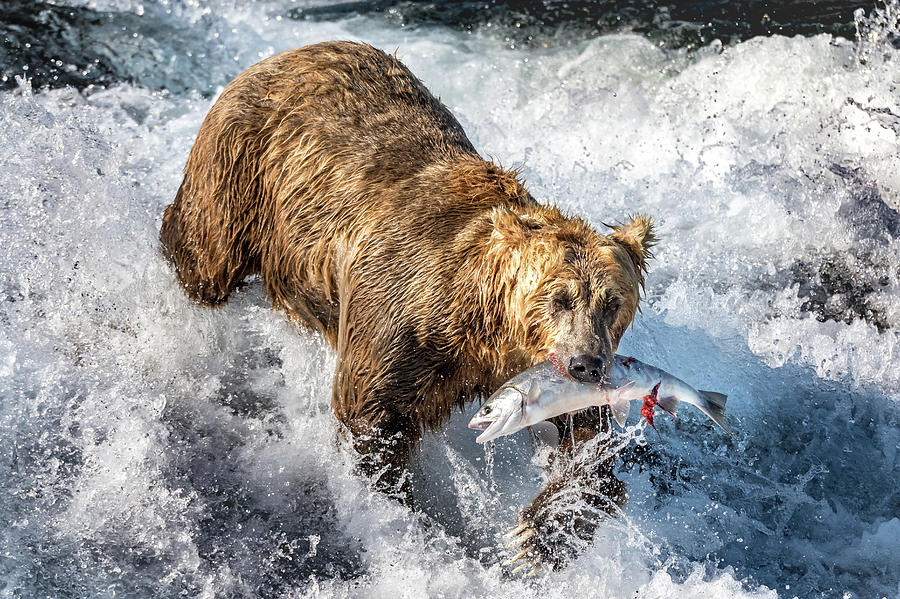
x=334 y=174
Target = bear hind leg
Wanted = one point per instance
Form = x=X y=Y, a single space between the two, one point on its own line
x=209 y=262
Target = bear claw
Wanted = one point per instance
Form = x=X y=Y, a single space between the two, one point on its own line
x=520 y=528
x=520 y=555
x=520 y=539
x=526 y=561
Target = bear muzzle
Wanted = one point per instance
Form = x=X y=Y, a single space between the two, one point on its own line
x=588 y=368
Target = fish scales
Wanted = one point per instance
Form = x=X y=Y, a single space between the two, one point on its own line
x=544 y=391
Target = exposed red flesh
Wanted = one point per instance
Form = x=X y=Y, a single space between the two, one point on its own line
x=650 y=402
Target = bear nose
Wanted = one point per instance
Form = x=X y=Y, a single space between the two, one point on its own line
x=587 y=368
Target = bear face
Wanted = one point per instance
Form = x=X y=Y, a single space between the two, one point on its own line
x=575 y=292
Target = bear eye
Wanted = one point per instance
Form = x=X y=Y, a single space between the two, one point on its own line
x=561 y=302
x=611 y=312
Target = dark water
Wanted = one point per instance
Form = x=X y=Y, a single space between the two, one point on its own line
x=58 y=46
x=672 y=24
x=72 y=45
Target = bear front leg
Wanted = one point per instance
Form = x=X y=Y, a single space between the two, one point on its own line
x=583 y=489
x=384 y=449
x=369 y=402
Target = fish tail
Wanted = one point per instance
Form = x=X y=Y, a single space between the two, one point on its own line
x=715 y=408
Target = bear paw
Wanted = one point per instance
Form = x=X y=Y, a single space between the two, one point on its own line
x=544 y=542
x=560 y=523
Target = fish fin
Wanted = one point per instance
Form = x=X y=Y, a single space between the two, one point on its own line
x=625 y=387
x=545 y=432
x=716 y=409
x=534 y=393
x=718 y=399
x=616 y=395
x=669 y=404
x=620 y=411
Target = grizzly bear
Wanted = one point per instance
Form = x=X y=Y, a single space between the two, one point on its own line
x=334 y=174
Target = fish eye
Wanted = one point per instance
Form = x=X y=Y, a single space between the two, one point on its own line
x=486 y=410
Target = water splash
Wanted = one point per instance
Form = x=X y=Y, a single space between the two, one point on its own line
x=878 y=31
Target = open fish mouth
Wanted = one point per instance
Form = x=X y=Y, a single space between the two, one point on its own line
x=479 y=425
x=493 y=430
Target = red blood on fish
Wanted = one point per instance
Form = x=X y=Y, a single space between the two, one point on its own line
x=554 y=359
x=651 y=400
x=649 y=404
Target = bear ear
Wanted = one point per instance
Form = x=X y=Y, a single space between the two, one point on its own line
x=636 y=235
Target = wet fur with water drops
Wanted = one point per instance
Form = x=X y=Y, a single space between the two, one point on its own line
x=334 y=174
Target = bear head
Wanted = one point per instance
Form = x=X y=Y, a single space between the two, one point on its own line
x=571 y=292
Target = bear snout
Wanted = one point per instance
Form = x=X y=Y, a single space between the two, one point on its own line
x=587 y=368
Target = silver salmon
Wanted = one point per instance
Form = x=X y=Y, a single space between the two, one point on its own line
x=544 y=391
